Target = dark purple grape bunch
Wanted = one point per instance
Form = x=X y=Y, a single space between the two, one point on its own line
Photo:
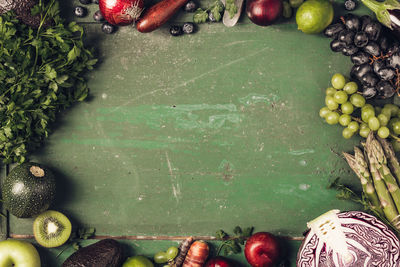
x=373 y=51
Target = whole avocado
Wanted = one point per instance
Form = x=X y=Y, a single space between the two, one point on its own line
x=28 y=190
x=105 y=253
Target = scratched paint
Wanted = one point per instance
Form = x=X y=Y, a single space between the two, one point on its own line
x=254 y=98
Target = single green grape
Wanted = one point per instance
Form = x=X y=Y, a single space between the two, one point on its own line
x=387 y=112
x=172 y=252
x=338 y=81
x=160 y=257
x=383 y=119
x=332 y=118
x=392 y=121
x=396 y=127
x=364 y=132
x=357 y=100
x=353 y=126
x=367 y=106
x=363 y=125
x=331 y=103
x=340 y=97
x=393 y=109
x=383 y=132
x=344 y=119
x=373 y=123
x=324 y=111
x=366 y=114
x=347 y=108
x=350 y=88
x=330 y=91
x=396 y=145
x=347 y=133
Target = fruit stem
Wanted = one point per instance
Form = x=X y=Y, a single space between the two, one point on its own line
x=381 y=10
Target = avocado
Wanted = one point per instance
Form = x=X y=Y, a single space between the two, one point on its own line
x=28 y=190
x=105 y=253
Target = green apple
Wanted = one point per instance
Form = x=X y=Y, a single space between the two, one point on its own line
x=138 y=261
x=18 y=253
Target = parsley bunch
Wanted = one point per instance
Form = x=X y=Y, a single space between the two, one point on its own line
x=232 y=244
x=40 y=74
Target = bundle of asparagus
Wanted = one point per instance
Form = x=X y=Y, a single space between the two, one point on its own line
x=379 y=172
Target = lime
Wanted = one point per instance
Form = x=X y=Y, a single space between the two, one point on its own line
x=313 y=16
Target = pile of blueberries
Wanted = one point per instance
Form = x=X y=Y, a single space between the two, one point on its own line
x=374 y=52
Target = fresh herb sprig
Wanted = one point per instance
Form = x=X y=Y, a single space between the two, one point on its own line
x=232 y=244
x=231 y=8
x=41 y=73
x=201 y=15
x=74 y=241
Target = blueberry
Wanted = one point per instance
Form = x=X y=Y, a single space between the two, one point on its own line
x=346 y=36
x=350 y=5
x=385 y=89
x=98 y=16
x=360 y=58
x=175 y=30
x=373 y=49
x=349 y=50
x=80 y=11
x=360 y=39
x=351 y=22
x=85 y=2
x=337 y=46
x=108 y=28
x=188 y=28
x=373 y=30
x=333 y=30
x=190 y=6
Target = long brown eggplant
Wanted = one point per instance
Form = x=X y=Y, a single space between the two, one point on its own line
x=158 y=14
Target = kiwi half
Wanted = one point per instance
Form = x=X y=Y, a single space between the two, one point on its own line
x=51 y=229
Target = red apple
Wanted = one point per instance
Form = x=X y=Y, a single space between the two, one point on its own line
x=218 y=261
x=262 y=250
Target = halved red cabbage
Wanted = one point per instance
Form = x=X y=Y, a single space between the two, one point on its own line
x=368 y=242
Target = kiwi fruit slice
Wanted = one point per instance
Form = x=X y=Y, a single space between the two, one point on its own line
x=51 y=229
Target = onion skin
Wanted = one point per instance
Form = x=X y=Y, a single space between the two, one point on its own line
x=121 y=12
x=264 y=12
x=158 y=14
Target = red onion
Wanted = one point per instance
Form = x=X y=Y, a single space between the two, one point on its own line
x=366 y=242
x=121 y=12
x=263 y=12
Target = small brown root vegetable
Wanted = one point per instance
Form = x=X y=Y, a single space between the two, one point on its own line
x=183 y=250
x=197 y=254
x=158 y=14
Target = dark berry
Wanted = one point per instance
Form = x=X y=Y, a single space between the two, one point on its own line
x=394 y=60
x=373 y=49
x=360 y=58
x=384 y=43
x=332 y=31
x=188 y=28
x=385 y=89
x=349 y=50
x=373 y=30
x=108 y=28
x=369 y=79
x=351 y=22
x=365 y=20
x=98 y=16
x=190 y=6
x=175 y=30
x=360 y=39
x=377 y=65
x=369 y=92
x=354 y=71
x=386 y=74
x=85 y=2
x=393 y=49
x=80 y=11
x=337 y=46
x=349 y=5
x=211 y=17
x=346 y=36
x=362 y=70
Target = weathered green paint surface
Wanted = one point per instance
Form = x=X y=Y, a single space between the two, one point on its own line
x=192 y=134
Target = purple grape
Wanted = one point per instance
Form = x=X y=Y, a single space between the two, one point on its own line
x=385 y=89
x=369 y=79
x=351 y=22
x=349 y=50
x=346 y=36
x=373 y=30
x=386 y=73
x=360 y=39
x=333 y=30
x=337 y=46
x=369 y=92
x=373 y=49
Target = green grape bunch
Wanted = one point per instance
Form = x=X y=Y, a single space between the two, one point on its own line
x=344 y=105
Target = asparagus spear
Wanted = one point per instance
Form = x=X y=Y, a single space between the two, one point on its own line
x=358 y=164
x=390 y=155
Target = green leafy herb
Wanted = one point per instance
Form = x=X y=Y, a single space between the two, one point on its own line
x=201 y=15
x=231 y=8
x=81 y=233
x=40 y=74
x=232 y=244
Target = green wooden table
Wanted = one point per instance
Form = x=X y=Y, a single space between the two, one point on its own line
x=187 y=135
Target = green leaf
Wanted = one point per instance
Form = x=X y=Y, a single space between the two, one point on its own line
x=73 y=53
x=200 y=16
x=216 y=13
x=237 y=230
x=50 y=73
